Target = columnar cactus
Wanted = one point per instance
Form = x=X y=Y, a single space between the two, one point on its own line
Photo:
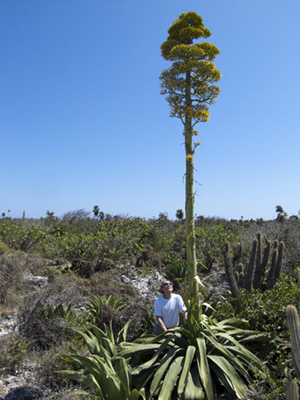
x=262 y=258
x=254 y=274
x=251 y=267
x=279 y=260
x=292 y=390
x=229 y=273
x=276 y=264
x=293 y=322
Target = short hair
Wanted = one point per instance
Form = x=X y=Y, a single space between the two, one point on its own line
x=161 y=285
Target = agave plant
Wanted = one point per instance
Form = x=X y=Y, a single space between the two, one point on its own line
x=95 y=306
x=191 y=362
x=103 y=370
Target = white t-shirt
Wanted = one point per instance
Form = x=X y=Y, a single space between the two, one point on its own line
x=169 y=309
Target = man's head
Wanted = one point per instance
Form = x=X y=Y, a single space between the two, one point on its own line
x=166 y=287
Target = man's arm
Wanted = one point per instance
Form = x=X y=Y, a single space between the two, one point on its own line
x=161 y=324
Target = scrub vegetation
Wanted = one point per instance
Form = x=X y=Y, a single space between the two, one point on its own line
x=83 y=319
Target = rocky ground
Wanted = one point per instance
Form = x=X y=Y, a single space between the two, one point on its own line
x=11 y=385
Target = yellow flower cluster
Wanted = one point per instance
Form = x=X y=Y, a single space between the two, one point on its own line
x=202 y=115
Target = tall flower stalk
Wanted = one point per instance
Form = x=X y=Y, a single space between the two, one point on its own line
x=189 y=86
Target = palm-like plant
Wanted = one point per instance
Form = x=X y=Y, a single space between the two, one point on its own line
x=190 y=362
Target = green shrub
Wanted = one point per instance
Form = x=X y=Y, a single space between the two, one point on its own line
x=99 y=249
x=48 y=363
x=13 y=352
x=210 y=241
x=265 y=311
x=17 y=236
x=12 y=268
x=45 y=324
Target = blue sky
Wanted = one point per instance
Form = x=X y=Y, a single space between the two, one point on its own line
x=82 y=121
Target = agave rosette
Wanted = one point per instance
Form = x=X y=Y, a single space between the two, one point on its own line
x=193 y=361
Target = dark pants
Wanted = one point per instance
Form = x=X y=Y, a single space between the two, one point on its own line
x=157 y=330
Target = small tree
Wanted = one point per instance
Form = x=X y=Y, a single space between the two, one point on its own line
x=189 y=86
x=96 y=211
x=281 y=214
x=179 y=214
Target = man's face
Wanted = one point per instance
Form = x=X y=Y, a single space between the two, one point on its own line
x=167 y=287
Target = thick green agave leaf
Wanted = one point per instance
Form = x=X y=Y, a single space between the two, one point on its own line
x=233 y=322
x=75 y=375
x=136 y=395
x=204 y=370
x=92 y=342
x=123 y=373
x=189 y=357
x=228 y=376
x=260 y=337
x=157 y=354
x=161 y=370
x=193 y=389
x=135 y=348
x=170 y=379
x=123 y=333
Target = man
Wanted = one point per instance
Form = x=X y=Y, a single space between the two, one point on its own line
x=167 y=308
